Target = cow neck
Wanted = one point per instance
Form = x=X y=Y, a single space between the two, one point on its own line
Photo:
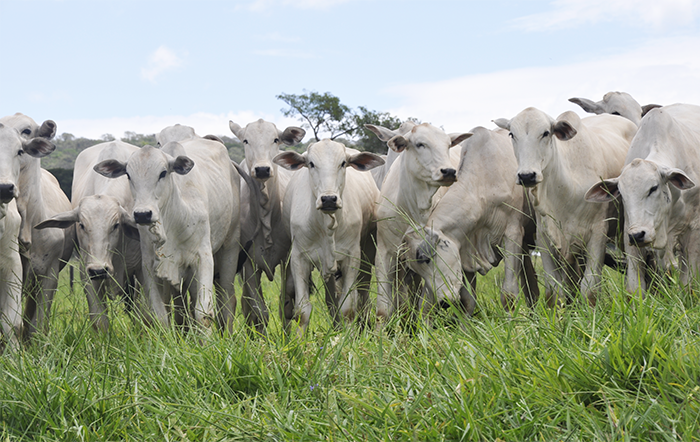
x=416 y=198
x=269 y=193
x=30 y=202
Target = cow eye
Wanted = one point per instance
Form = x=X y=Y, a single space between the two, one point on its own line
x=277 y=141
x=20 y=153
x=82 y=226
x=343 y=164
x=420 y=145
x=245 y=141
x=545 y=134
x=162 y=175
x=26 y=132
x=510 y=134
x=115 y=227
x=652 y=190
x=311 y=164
x=127 y=176
x=616 y=113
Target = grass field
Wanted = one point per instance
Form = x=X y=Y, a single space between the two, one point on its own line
x=628 y=369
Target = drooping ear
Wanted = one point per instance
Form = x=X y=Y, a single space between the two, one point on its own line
x=110 y=168
x=427 y=248
x=458 y=138
x=173 y=148
x=128 y=225
x=603 y=192
x=503 y=123
x=381 y=132
x=364 y=161
x=647 y=107
x=213 y=138
x=236 y=130
x=563 y=130
x=588 y=105
x=292 y=135
x=678 y=178
x=60 y=221
x=47 y=129
x=38 y=147
x=181 y=165
x=290 y=160
x=397 y=143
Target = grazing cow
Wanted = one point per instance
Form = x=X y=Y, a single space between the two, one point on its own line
x=329 y=212
x=406 y=199
x=186 y=203
x=110 y=253
x=559 y=160
x=12 y=148
x=261 y=211
x=616 y=103
x=482 y=219
x=657 y=188
x=44 y=252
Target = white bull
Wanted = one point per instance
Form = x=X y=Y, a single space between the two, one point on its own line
x=660 y=199
x=329 y=209
x=482 y=219
x=44 y=252
x=261 y=211
x=407 y=197
x=186 y=203
x=110 y=254
x=560 y=159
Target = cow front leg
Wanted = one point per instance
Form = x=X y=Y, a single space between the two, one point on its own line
x=252 y=300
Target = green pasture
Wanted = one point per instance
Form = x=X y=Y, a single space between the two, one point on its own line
x=628 y=369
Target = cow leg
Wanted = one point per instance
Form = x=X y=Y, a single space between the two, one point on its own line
x=330 y=286
x=347 y=299
x=226 y=262
x=467 y=293
x=513 y=266
x=204 y=279
x=11 y=304
x=95 y=291
x=385 y=269
x=287 y=295
x=528 y=280
x=590 y=284
x=301 y=269
x=252 y=300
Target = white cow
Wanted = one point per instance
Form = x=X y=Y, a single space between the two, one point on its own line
x=407 y=197
x=110 y=254
x=261 y=211
x=657 y=188
x=12 y=148
x=329 y=210
x=186 y=203
x=45 y=252
x=616 y=103
x=559 y=160
x=482 y=219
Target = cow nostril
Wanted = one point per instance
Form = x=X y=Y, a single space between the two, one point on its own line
x=7 y=191
x=448 y=173
x=143 y=217
x=637 y=237
x=262 y=172
x=97 y=273
x=527 y=179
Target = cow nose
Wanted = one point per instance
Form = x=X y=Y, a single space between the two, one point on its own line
x=329 y=202
x=637 y=237
x=143 y=217
x=7 y=192
x=448 y=173
x=527 y=179
x=262 y=172
x=97 y=273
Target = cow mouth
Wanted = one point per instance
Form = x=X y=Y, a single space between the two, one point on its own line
x=329 y=208
x=97 y=273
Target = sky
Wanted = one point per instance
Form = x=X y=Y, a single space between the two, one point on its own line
x=106 y=67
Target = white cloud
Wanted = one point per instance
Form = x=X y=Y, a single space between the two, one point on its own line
x=203 y=123
x=659 y=15
x=664 y=72
x=161 y=60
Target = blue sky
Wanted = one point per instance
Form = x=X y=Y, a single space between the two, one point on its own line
x=101 y=66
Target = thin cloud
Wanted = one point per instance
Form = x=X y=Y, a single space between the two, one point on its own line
x=658 y=15
x=161 y=60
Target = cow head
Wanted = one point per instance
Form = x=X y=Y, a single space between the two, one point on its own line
x=262 y=141
x=649 y=191
x=13 y=149
x=437 y=260
x=425 y=149
x=101 y=223
x=326 y=162
x=615 y=103
x=175 y=133
x=533 y=135
x=28 y=130
x=150 y=173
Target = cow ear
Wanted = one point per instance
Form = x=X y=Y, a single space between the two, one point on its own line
x=38 y=147
x=588 y=105
x=427 y=249
x=236 y=130
x=364 y=161
x=382 y=133
x=110 y=168
x=290 y=160
x=647 y=107
x=458 y=138
x=563 y=130
x=503 y=123
x=47 y=129
x=397 y=143
x=213 y=138
x=603 y=192
x=181 y=165
x=678 y=178
x=60 y=221
x=128 y=225
x=292 y=135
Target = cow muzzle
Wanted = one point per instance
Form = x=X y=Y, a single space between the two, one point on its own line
x=640 y=238
x=262 y=173
x=527 y=179
x=98 y=272
x=143 y=217
x=328 y=203
x=8 y=191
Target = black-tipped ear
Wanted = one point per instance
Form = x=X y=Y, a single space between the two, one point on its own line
x=290 y=160
x=588 y=105
x=213 y=138
x=38 y=147
x=679 y=179
x=292 y=135
x=458 y=138
x=563 y=130
x=603 y=192
x=397 y=143
x=60 y=221
x=110 y=168
x=382 y=133
x=47 y=129
x=647 y=107
x=365 y=161
x=181 y=165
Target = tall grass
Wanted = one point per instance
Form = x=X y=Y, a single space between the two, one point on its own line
x=628 y=369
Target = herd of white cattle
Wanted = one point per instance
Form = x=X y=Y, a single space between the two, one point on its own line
x=182 y=219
